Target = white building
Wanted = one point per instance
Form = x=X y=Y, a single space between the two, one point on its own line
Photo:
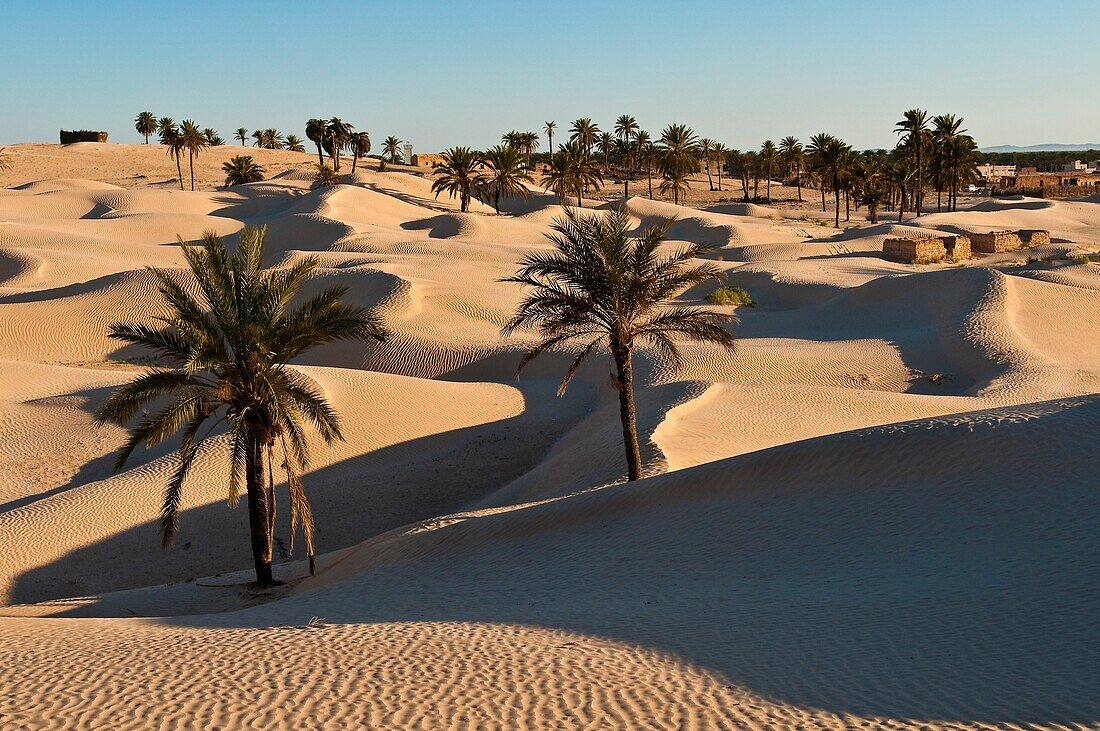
x=408 y=153
x=1074 y=167
x=996 y=171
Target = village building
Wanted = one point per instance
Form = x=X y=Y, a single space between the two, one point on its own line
x=426 y=160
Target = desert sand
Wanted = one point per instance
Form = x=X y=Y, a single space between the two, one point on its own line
x=879 y=511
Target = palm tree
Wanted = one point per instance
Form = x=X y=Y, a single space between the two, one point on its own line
x=868 y=177
x=360 y=146
x=675 y=181
x=913 y=126
x=816 y=150
x=572 y=171
x=325 y=177
x=549 y=128
x=719 y=150
x=213 y=139
x=242 y=169
x=272 y=139
x=460 y=174
x=505 y=174
x=194 y=142
x=337 y=136
x=392 y=146
x=647 y=155
x=706 y=150
x=946 y=130
x=241 y=134
x=293 y=143
x=315 y=133
x=626 y=128
x=146 y=125
x=224 y=358
x=677 y=158
x=835 y=159
x=794 y=155
x=769 y=155
x=170 y=138
x=606 y=144
x=258 y=138
x=610 y=290
x=584 y=132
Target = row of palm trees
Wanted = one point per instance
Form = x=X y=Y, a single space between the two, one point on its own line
x=224 y=352
x=486 y=176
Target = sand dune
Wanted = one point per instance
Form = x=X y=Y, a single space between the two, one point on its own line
x=876 y=512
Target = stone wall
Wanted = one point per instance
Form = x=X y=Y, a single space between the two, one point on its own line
x=82 y=135
x=914 y=250
x=995 y=242
x=1034 y=237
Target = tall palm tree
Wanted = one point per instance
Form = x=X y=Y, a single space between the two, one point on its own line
x=241 y=134
x=706 y=151
x=675 y=181
x=794 y=156
x=315 y=133
x=146 y=125
x=610 y=290
x=769 y=156
x=549 y=128
x=293 y=143
x=868 y=182
x=647 y=156
x=678 y=157
x=360 y=147
x=505 y=173
x=584 y=132
x=834 y=159
x=225 y=358
x=242 y=169
x=572 y=171
x=213 y=139
x=194 y=142
x=816 y=150
x=171 y=139
x=392 y=146
x=606 y=144
x=337 y=135
x=719 y=150
x=626 y=128
x=460 y=174
x=913 y=126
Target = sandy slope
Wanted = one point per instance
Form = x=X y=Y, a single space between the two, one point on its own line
x=875 y=512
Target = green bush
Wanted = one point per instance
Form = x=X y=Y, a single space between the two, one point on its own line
x=1089 y=259
x=730 y=296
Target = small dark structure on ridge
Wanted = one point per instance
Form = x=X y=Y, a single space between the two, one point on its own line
x=82 y=135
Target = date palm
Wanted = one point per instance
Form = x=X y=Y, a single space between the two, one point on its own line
x=194 y=141
x=611 y=291
x=391 y=146
x=504 y=174
x=315 y=133
x=549 y=128
x=793 y=154
x=626 y=128
x=169 y=136
x=913 y=127
x=675 y=181
x=242 y=169
x=769 y=156
x=572 y=171
x=647 y=156
x=146 y=125
x=241 y=134
x=337 y=135
x=293 y=143
x=359 y=145
x=835 y=158
x=224 y=359
x=816 y=151
x=719 y=151
x=584 y=132
x=605 y=142
x=678 y=157
x=460 y=174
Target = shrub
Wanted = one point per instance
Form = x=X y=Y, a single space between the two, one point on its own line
x=730 y=296
x=1089 y=259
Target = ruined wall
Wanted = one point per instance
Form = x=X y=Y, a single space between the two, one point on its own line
x=82 y=135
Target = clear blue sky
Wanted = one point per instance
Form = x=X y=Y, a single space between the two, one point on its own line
x=448 y=73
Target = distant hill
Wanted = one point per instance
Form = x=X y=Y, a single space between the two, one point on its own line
x=1048 y=147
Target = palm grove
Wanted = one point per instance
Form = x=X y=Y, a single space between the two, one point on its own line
x=225 y=357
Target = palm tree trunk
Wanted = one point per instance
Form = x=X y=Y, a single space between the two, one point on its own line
x=191 y=165
x=769 y=186
x=627 y=411
x=822 y=193
x=259 y=513
x=179 y=170
x=320 y=155
x=649 y=179
x=836 y=195
x=710 y=180
x=719 y=175
x=798 y=181
x=847 y=205
x=901 y=205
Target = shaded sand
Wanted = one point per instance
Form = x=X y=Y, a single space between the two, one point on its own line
x=877 y=512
